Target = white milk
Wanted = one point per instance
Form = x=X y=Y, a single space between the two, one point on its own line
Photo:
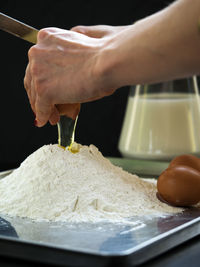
x=161 y=126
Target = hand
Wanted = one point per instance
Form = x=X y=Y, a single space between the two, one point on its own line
x=63 y=69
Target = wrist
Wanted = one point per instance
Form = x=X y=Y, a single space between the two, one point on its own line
x=107 y=65
x=115 y=63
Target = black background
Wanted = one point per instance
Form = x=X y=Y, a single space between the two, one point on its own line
x=100 y=121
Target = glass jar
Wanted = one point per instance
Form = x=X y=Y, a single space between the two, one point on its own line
x=162 y=120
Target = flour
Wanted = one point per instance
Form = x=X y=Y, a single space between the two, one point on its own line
x=57 y=185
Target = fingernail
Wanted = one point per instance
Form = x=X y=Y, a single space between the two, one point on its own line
x=35 y=122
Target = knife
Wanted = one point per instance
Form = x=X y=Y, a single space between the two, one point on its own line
x=66 y=125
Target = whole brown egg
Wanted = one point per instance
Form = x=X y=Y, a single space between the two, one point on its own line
x=188 y=160
x=179 y=185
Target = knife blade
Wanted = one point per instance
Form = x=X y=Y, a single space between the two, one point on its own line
x=66 y=126
x=18 y=28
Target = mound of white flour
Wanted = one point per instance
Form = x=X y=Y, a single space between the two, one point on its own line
x=55 y=184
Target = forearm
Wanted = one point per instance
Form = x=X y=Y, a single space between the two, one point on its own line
x=163 y=46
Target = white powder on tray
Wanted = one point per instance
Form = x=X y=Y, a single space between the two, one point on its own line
x=57 y=185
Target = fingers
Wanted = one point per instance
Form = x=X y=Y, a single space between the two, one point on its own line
x=36 y=93
x=44 y=111
x=28 y=84
x=32 y=97
x=41 y=113
x=55 y=116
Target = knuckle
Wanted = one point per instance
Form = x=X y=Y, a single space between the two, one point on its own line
x=32 y=52
x=46 y=33
x=43 y=34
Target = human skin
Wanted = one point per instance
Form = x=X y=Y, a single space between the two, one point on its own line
x=67 y=68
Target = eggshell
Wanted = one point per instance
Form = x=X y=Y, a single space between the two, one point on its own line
x=179 y=185
x=188 y=160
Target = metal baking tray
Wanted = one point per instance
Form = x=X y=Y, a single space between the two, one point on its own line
x=101 y=244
